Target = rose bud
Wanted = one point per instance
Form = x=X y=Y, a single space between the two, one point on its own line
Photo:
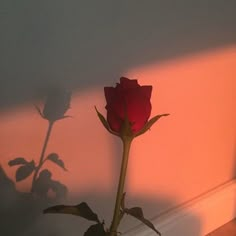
x=56 y=104
x=128 y=108
x=129 y=99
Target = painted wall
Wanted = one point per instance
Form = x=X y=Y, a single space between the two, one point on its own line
x=186 y=51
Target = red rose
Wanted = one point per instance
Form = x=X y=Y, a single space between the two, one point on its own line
x=128 y=99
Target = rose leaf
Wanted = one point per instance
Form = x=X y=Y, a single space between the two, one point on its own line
x=137 y=212
x=150 y=123
x=97 y=230
x=103 y=120
x=82 y=210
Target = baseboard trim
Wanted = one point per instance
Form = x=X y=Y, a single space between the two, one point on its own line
x=197 y=217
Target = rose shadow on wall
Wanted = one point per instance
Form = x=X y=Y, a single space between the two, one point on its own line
x=19 y=210
x=56 y=104
x=22 y=209
x=29 y=219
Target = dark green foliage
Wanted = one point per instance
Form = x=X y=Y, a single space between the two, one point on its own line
x=137 y=212
x=149 y=124
x=82 y=210
x=95 y=230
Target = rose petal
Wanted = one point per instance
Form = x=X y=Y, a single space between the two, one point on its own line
x=147 y=91
x=128 y=83
x=138 y=108
x=109 y=93
x=117 y=107
x=115 y=115
x=114 y=123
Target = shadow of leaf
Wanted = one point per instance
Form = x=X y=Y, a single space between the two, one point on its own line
x=25 y=170
x=20 y=210
x=17 y=161
x=55 y=159
x=44 y=184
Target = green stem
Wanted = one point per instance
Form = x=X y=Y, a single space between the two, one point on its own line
x=117 y=211
x=41 y=160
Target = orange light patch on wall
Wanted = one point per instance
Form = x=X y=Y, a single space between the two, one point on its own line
x=183 y=155
x=193 y=149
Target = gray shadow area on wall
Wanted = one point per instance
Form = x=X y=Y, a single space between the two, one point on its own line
x=18 y=210
x=87 y=43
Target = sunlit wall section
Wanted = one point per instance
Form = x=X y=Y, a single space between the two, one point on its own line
x=193 y=149
x=184 y=154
